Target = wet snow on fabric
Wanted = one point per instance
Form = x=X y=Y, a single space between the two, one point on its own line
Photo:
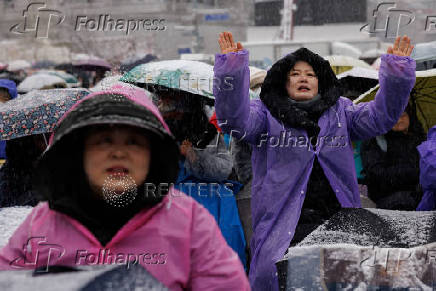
x=376 y=227
x=361 y=249
x=108 y=277
x=10 y=219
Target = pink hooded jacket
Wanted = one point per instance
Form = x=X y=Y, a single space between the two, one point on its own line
x=177 y=240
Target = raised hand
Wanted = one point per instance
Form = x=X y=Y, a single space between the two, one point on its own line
x=227 y=44
x=402 y=47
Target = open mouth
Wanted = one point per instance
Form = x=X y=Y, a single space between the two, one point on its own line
x=303 y=88
x=117 y=170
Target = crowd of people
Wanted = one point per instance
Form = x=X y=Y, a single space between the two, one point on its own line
x=89 y=182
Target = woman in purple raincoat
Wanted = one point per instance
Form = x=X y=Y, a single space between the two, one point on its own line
x=301 y=132
x=427 y=166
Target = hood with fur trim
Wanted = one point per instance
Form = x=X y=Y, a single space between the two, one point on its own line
x=275 y=96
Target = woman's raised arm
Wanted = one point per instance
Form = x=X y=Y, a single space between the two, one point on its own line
x=235 y=113
x=397 y=78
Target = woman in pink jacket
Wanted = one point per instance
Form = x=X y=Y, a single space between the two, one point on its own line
x=105 y=182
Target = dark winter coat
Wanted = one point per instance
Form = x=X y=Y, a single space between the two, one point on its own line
x=12 y=89
x=16 y=174
x=391 y=167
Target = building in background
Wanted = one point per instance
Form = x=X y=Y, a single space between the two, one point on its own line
x=311 y=12
x=190 y=26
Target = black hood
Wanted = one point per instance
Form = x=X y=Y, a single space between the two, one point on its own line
x=275 y=96
x=61 y=178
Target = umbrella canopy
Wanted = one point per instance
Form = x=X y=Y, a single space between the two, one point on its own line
x=3 y=66
x=345 y=49
x=341 y=64
x=45 y=64
x=423 y=94
x=376 y=64
x=256 y=76
x=71 y=80
x=18 y=65
x=14 y=76
x=131 y=63
x=67 y=67
x=107 y=82
x=359 y=72
x=41 y=81
x=36 y=112
x=190 y=76
x=372 y=53
x=424 y=51
x=90 y=63
x=93 y=65
x=357 y=81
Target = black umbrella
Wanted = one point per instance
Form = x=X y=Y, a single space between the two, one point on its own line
x=44 y=64
x=357 y=81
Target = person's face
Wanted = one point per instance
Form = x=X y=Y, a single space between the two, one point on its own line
x=302 y=82
x=403 y=123
x=116 y=153
x=4 y=95
x=168 y=108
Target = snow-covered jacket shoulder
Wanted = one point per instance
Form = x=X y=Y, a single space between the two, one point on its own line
x=177 y=241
